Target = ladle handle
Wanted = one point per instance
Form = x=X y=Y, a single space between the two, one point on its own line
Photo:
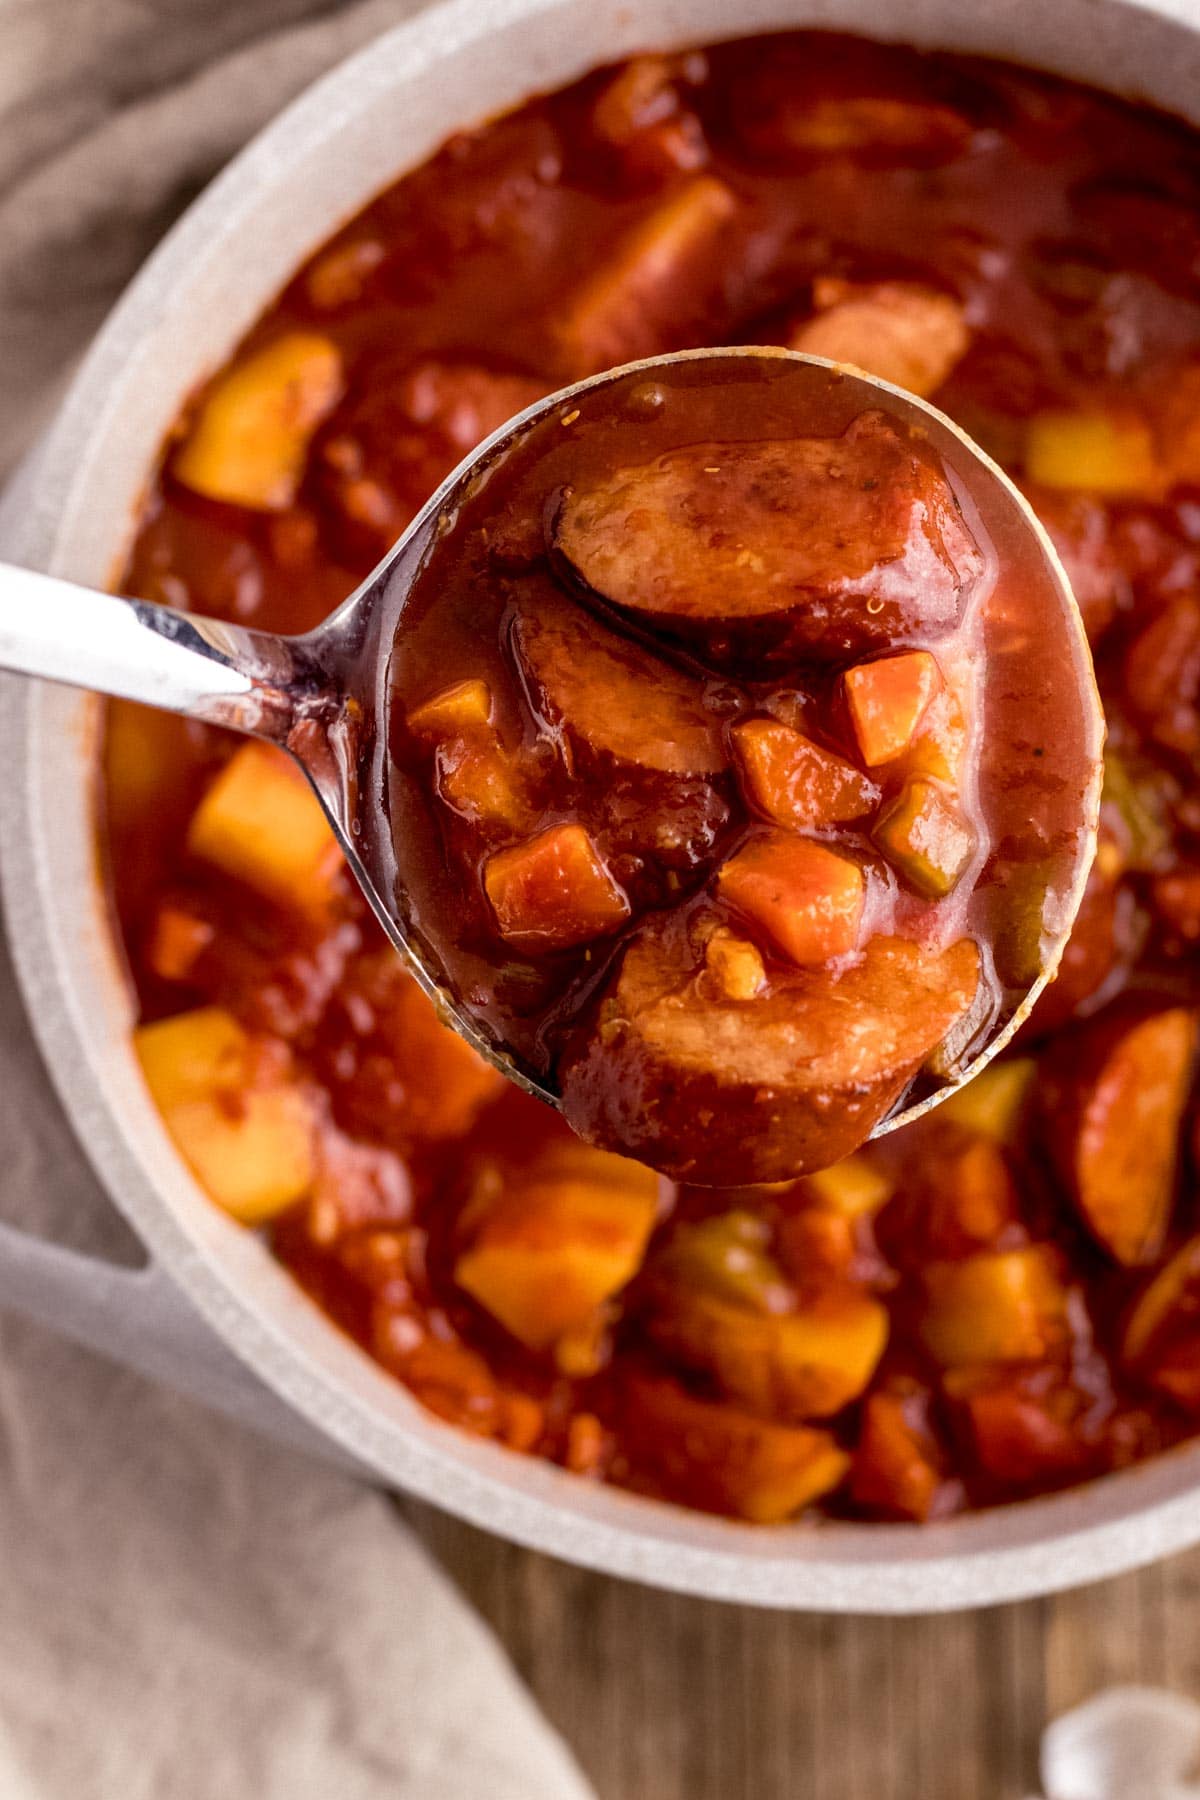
x=134 y=650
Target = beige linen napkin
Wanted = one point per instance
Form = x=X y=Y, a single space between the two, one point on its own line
x=186 y=1611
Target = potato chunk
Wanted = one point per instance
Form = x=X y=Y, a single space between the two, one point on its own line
x=553 y=891
x=735 y=966
x=1102 y=453
x=719 y=1302
x=755 y=552
x=994 y=1102
x=244 y=1128
x=807 y=899
x=464 y=706
x=795 y=782
x=887 y=701
x=1000 y=1306
x=900 y=331
x=1116 y=1094
x=261 y=823
x=249 y=441
x=715 y=1456
x=628 y=305
x=563 y=1236
x=926 y=838
x=799 y=1076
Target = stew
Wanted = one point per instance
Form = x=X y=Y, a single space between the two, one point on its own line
x=732 y=772
x=1003 y=1298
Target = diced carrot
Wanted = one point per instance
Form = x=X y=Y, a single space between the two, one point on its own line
x=895 y=1463
x=553 y=891
x=957 y=1196
x=481 y=781
x=818 y=1247
x=261 y=823
x=999 y=1306
x=463 y=706
x=1116 y=1097
x=558 y=1241
x=248 y=1135
x=808 y=899
x=715 y=1456
x=900 y=331
x=1103 y=453
x=1019 y=1439
x=177 y=941
x=795 y=782
x=925 y=838
x=887 y=700
x=249 y=440
x=734 y=965
x=622 y=306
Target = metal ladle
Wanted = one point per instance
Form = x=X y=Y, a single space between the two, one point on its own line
x=307 y=694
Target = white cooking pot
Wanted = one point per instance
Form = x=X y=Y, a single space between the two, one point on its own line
x=212 y=1310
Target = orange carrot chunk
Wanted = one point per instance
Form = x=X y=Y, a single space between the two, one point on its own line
x=553 y=891
x=808 y=900
x=887 y=700
x=795 y=782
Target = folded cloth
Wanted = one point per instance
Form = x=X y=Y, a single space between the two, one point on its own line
x=185 y=1609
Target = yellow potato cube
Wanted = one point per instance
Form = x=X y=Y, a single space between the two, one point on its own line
x=735 y=966
x=193 y=1056
x=261 y=823
x=853 y=1187
x=249 y=440
x=246 y=1133
x=1000 y=1306
x=806 y=1364
x=254 y=1161
x=463 y=706
x=992 y=1104
x=1104 y=453
x=555 y=1245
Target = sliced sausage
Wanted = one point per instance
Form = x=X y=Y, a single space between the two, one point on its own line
x=610 y=695
x=792 y=1080
x=1115 y=1094
x=768 y=551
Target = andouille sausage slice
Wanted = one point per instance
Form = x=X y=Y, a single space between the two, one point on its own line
x=611 y=696
x=723 y=1092
x=764 y=552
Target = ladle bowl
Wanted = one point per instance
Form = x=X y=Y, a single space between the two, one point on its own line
x=317 y=695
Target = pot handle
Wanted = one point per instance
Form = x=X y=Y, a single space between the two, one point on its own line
x=138 y=1317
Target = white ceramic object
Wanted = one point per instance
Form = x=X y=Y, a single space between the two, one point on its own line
x=264 y=1351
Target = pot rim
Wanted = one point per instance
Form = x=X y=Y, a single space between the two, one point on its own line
x=70 y=972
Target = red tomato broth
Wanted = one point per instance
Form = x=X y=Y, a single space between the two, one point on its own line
x=1065 y=226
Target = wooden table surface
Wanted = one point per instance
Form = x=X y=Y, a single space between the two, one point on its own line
x=667 y=1698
